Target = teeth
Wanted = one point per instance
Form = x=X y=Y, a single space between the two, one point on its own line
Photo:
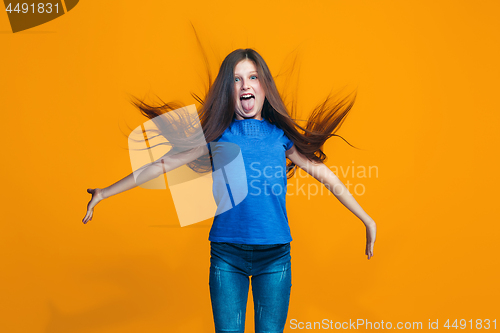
x=246 y=95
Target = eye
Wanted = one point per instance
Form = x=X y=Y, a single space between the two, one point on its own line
x=236 y=79
x=255 y=76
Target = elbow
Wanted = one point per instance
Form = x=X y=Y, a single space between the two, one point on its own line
x=333 y=184
x=165 y=165
x=158 y=168
x=162 y=167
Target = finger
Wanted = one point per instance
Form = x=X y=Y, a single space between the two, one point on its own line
x=85 y=218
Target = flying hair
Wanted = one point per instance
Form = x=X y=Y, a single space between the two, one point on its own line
x=217 y=109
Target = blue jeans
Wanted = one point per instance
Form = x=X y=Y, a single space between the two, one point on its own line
x=230 y=267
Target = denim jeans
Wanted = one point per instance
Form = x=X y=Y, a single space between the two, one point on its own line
x=230 y=267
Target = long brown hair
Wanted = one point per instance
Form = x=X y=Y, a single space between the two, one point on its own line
x=218 y=109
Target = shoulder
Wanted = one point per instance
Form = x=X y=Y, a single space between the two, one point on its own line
x=281 y=136
x=224 y=137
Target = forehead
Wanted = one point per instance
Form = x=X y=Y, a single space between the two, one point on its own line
x=244 y=66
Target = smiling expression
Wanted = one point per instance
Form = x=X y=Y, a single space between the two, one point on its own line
x=246 y=83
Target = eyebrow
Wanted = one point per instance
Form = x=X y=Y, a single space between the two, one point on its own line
x=248 y=73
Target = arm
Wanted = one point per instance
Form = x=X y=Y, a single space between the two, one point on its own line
x=166 y=163
x=324 y=175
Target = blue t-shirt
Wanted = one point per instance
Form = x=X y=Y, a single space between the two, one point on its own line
x=249 y=184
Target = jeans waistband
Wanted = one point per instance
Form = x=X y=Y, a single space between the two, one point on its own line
x=251 y=246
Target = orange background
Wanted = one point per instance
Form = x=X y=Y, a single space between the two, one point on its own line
x=426 y=116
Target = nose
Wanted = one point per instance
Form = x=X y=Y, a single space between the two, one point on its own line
x=245 y=85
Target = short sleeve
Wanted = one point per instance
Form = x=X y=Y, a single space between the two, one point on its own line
x=287 y=142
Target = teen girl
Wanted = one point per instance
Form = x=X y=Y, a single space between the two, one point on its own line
x=243 y=107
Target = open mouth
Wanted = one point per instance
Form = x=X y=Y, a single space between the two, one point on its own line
x=247 y=101
x=246 y=97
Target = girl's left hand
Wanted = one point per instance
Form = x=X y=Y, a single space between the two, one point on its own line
x=371 y=232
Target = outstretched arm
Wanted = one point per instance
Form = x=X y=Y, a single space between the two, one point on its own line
x=167 y=162
x=324 y=175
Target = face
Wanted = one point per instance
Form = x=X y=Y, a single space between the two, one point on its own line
x=246 y=83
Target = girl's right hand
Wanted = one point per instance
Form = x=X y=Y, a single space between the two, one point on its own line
x=97 y=196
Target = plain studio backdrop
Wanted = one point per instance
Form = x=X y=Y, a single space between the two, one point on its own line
x=425 y=118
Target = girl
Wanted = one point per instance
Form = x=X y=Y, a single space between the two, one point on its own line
x=252 y=238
